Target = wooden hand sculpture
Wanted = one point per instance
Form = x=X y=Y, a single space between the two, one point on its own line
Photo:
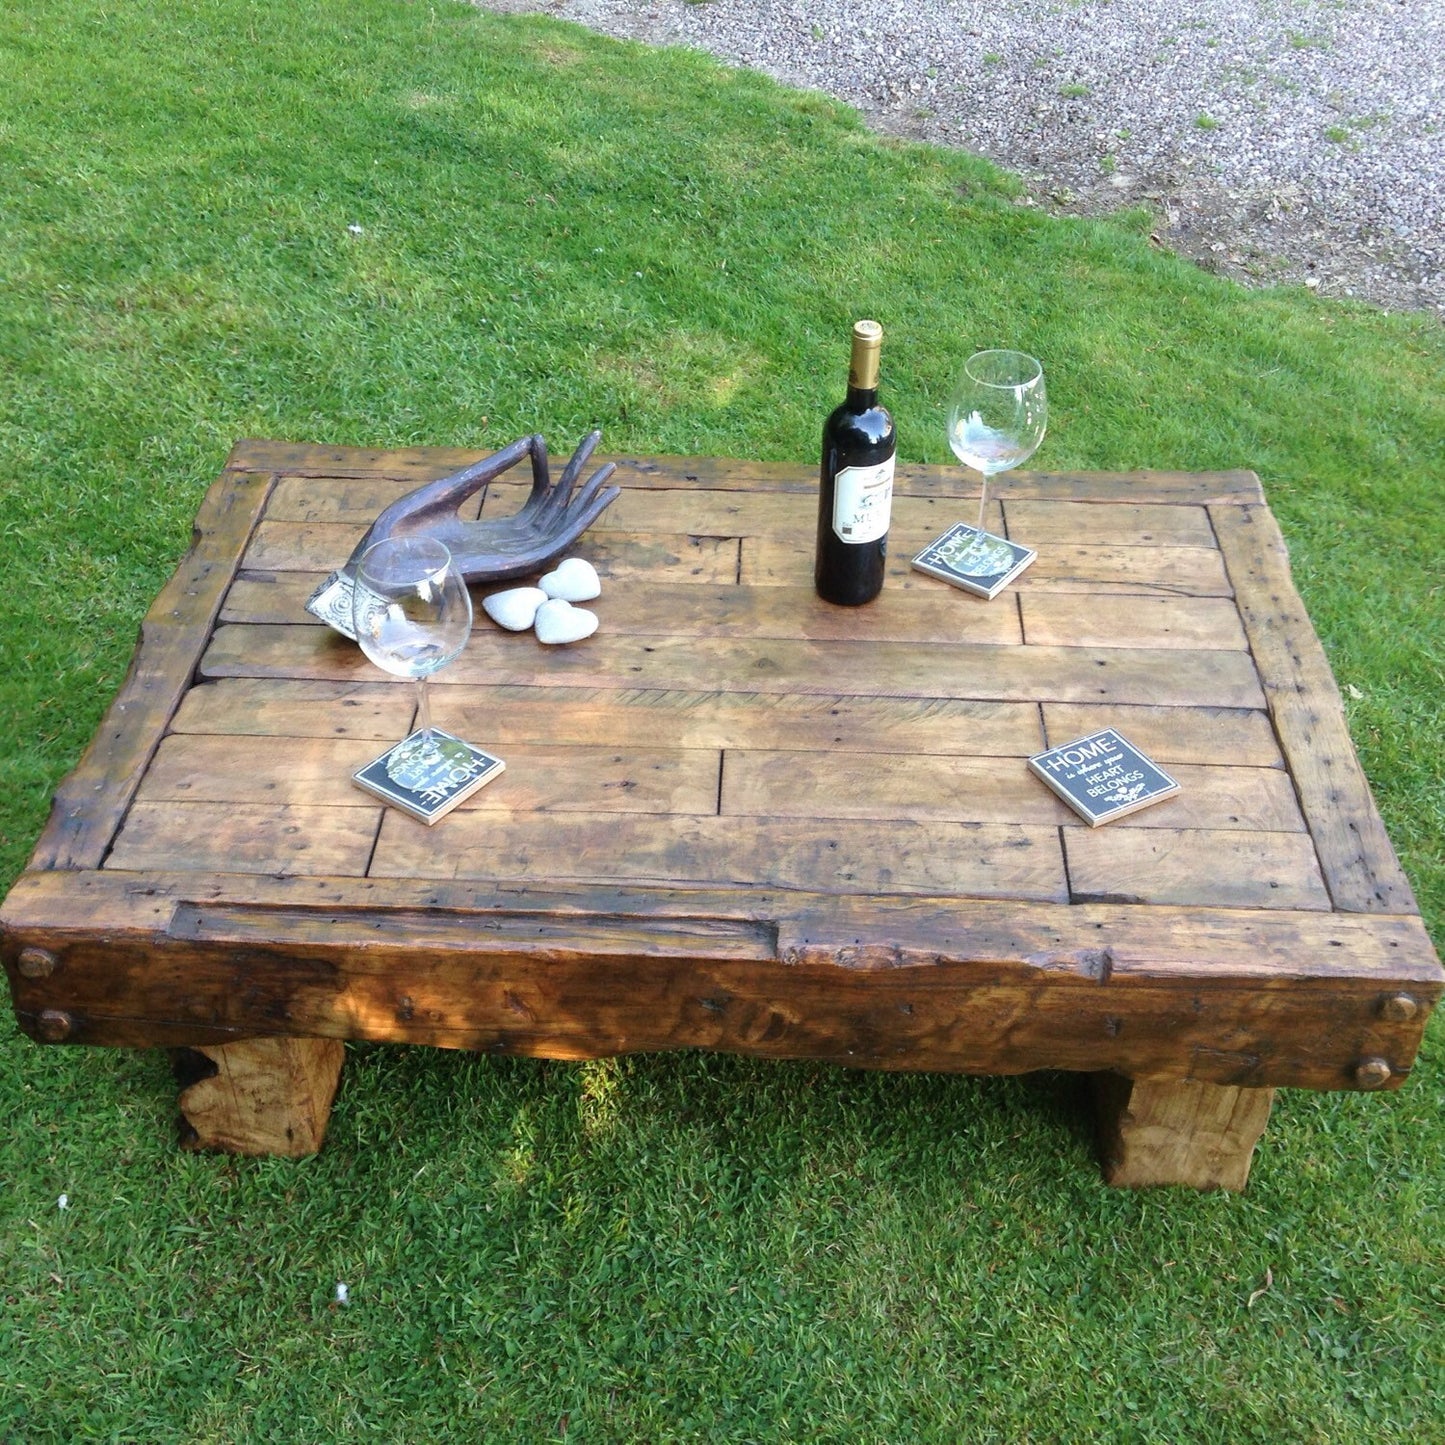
x=492 y=549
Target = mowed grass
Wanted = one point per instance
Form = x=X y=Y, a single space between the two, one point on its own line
x=382 y=223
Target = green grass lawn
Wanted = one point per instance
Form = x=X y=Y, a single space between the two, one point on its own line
x=375 y=222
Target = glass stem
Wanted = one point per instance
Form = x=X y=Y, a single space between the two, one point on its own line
x=423 y=710
x=982 y=500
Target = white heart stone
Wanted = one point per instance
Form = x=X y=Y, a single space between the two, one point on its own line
x=516 y=609
x=559 y=621
x=575 y=580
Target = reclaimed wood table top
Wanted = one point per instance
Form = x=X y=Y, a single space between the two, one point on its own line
x=737 y=817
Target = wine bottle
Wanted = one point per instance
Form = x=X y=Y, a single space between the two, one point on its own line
x=855 y=493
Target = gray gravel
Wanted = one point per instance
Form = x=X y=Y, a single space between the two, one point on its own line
x=1274 y=140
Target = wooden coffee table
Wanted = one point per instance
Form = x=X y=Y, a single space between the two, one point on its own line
x=740 y=819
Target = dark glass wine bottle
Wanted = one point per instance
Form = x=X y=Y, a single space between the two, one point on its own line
x=856 y=483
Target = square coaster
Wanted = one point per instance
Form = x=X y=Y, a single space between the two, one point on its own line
x=1103 y=776
x=430 y=793
x=977 y=561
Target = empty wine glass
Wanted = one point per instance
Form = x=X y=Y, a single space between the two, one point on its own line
x=413 y=614
x=996 y=419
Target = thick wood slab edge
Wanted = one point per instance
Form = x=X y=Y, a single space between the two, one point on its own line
x=1359 y=864
x=1303 y=999
x=424 y=464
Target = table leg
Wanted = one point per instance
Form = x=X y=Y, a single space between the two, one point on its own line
x=1201 y=1135
x=258 y=1096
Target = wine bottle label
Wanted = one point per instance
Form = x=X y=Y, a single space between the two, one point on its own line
x=862 y=500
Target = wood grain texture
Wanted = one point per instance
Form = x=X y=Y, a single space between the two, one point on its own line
x=423 y=464
x=1120 y=524
x=1223 y=737
x=1101 y=571
x=1194 y=866
x=1360 y=866
x=90 y=803
x=246 y=838
x=344 y=500
x=740 y=611
x=507 y=715
x=1202 y=1136
x=318 y=548
x=1185 y=622
x=540 y=779
x=515 y=985
x=969 y=860
x=1222 y=996
x=689 y=511
x=378 y=711
x=1268 y=948
x=269 y=1096
x=987 y=790
x=1152 y=676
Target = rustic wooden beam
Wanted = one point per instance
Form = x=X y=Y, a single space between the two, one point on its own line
x=1360 y=867
x=1206 y=994
x=259 y=1095
x=1198 y=1135
x=420 y=464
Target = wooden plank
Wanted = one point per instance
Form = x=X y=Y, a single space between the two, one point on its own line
x=539 y=779
x=1063 y=567
x=1160 y=677
x=415 y=465
x=730 y=611
x=634 y=717
x=1123 y=523
x=1107 y=570
x=840 y=784
x=1071 y=621
x=691 y=511
x=1223 y=737
x=952 y=482
x=272 y=597
x=377 y=711
x=317 y=548
x=1359 y=864
x=503 y=716
x=423 y=464
x=90 y=803
x=1103 y=942
x=1192 y=947
x=505 y=985
x=352 y=500
x=1228 y=869
x=972 y=861
x=1145 y=486
x=267 y=1096
x=242 y=838
x=1119 y=524
x=1201 y=1136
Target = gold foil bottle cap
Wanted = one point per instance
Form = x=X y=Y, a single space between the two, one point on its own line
x=863 y=370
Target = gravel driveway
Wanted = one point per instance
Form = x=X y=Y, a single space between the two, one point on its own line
x=1274 y=140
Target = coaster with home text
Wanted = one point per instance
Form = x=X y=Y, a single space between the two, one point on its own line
x=1103 y=776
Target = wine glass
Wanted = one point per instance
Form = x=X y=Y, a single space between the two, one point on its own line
x=413 y=614
x=996 y=419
